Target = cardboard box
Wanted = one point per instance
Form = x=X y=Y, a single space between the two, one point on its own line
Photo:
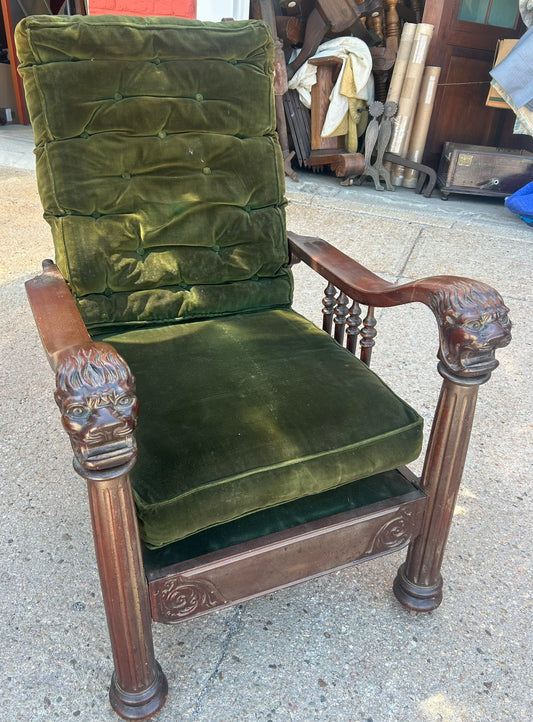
x=503 y=48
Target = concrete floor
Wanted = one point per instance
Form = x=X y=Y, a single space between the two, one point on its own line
x=337 y=649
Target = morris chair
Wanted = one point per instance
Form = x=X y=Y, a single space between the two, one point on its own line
x=265 y=451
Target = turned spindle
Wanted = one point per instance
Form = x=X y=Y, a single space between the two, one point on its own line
x=376 y=22
x=368 y=334
x=393 y=25
x=340 y=315
x=328 y=303
x=353 y=322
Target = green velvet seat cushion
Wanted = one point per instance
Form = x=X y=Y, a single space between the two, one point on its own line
x=158 y=165
x=246 y=412
x=387 y=486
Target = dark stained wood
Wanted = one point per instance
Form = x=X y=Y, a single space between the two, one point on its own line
x=348 y=164
x=466 y=354
x=393 y=25
x=56 y=314
x=340 y=316
x=418 y=585
x=341 y=14
x=465 y=52
x=327 y=71
x=290 y=29
x=299 y=122
x=315 y=29
x=328 y=303
x=196 y=587
x=285 y=558
x=368 y=335
x=482 y=171
x=139 y=687
x=353 y=323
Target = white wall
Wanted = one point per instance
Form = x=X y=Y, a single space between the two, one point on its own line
x=215 y=10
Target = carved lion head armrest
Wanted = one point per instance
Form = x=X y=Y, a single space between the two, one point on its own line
x=473 y=322
x=95 y=392
x=472 y=317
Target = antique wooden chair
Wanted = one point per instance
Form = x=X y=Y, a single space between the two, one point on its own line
x=265 y=452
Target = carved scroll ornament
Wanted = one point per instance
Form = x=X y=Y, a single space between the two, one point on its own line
x=473 y=323
x=392 y=535
x=95 y=392
x=180 y=598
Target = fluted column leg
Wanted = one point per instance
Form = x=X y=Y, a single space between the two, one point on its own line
x=418 y=585
x=138 y=687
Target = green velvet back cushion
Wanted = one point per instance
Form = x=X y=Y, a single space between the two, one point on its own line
x=157 y=163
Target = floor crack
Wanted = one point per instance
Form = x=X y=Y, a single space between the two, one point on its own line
x=233 y=626
x=416 y=241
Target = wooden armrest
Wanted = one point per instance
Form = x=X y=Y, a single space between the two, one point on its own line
x=95 y=389
x=471 y=316
x=57 y=317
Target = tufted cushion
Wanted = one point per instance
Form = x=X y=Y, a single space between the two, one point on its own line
x=250 y=411
x=157 y=164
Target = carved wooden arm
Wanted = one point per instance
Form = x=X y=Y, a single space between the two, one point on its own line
x=95 y=389
x=472 y=316
x=95 y=392
x=473 y=323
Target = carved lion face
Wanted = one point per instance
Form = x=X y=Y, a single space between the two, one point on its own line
x=96 y=397
x=474 y=322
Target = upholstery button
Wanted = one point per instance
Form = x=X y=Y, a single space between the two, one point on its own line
x=206 y=171
x=157 y=61
x=117 y=96
x=216 y=248
x=84 y=135
x=126 y=175
x=199 y=97
x=162 y=134
x=140 y=251
x=96 y=215
x=108 y=292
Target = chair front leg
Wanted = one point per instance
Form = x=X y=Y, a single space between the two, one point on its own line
x=95 y=392
x=473 y=323
x=418 y=585
x=138 y=686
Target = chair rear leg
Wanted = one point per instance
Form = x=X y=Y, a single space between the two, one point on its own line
x=418 y=585
x=138 y=686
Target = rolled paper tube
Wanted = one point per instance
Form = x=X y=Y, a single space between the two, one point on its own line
x=400 y=65
x=403 y=122
x=419 y=134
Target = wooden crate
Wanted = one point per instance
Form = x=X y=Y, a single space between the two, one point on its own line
x=483 y=171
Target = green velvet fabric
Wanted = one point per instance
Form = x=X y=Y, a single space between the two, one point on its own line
x=249 y=411
x=161 y=176
x=385 y=486
x=158 y=165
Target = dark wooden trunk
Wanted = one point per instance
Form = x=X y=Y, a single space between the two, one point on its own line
x=484 y=171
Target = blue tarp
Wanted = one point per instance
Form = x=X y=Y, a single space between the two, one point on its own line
x=521 y=202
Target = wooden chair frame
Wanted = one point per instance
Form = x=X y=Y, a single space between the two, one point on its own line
x=473 y=322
